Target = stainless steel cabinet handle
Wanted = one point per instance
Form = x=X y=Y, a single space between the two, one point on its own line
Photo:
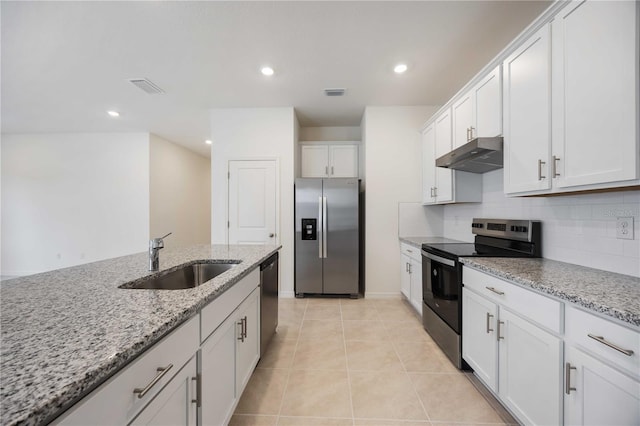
x=601 y=339
x=331 y=170
x=435 y=191
x=319 y=230
x=245 y=326
x=161 y=372
x=471 y=129
x=555 y=173
x=241 y=324
x=271 y=235
x=198 y=400
x=324 y=227
x=468 y=137
x=540 y=163
x=326 y=170
x=406 y=267
x=567 y=378
x=489 y=329
x=498 y=334
x=410 y=271
x=501 y=293
x=409 y=251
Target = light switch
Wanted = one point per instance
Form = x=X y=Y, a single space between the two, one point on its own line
x=624 y=228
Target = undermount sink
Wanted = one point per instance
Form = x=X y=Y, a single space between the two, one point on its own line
x=189 y=276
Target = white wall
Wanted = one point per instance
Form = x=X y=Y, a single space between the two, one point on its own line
x=393 y=174
x=343 y=133
x=578 y=228
x=179 y=194
x=69 y=199
x=245 y=133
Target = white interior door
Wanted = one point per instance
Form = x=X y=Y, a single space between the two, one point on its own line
x=253 y=206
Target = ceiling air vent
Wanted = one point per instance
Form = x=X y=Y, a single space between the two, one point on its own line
x=334 y=92
x=146 y=85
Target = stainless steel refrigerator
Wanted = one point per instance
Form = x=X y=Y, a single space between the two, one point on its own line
x=327 y=242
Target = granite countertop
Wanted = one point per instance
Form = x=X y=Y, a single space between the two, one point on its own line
x=611 y=294
x=66 y=331
x=418 y=241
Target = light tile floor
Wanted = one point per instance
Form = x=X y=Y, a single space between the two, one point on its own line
x=368 y=362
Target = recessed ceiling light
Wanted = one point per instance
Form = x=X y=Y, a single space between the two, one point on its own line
x=400 y=68
x=113 y=113
x=267 y=71
x=208 y=142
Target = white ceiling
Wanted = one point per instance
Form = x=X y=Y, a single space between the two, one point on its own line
x=65 y=63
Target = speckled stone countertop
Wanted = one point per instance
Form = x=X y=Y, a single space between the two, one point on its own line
x=66 y=331
x=419 y=241
x=611 y=294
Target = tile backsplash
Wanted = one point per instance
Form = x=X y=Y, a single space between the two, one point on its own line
x=578 y=228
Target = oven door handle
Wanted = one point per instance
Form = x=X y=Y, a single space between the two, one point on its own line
x=439 y=259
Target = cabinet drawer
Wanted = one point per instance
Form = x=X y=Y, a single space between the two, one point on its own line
x=114 y=402
x=581 y=324
x=411 y=251
x=541 y=309
x=215 y=312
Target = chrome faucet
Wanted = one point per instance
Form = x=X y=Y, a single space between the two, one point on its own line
x=155 y=245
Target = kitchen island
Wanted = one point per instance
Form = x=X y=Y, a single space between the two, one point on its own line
x=67 y=331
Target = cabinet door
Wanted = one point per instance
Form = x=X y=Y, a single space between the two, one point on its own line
x=314 y=161
x=428 y=164
x=415 y=272
x=248 y=343
x=595 y=97
x=217 y=364
x=444 y=177
x=175 y=405
x=343 y=161
x=527 y=114
x=487 y=105
x=602 y=395
x=463 y=119
x=479 y=345
x=530 y=368
x=405 y=277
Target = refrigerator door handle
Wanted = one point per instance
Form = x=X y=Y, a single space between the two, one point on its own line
x=324 y=226
x=320 y=227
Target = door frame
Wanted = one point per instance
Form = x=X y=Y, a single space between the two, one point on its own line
x=228 y=194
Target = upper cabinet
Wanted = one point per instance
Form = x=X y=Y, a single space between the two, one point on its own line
x=527 y=114
x=329 y=160
x=571 y=102
x=441 y=185
x=478 y=112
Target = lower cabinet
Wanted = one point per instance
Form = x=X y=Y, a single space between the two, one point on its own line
x=176 y=404
x=597 y=394
x=228 y=358
x=411 y=275
x=479 y=345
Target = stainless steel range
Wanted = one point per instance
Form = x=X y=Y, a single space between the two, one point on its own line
x=442 y=274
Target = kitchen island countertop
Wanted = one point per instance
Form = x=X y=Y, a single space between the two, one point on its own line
x=66 y=331
x=611 y=294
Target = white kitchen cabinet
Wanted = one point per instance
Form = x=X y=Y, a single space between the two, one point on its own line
x=479 y=111
x=479 y=346
x=117 y=401
x=529 y=370
x=442 y=185
x=602 y=371
x=411 y=275
x=595 y=96
x=597 y=394
x=527 y=115
x=329 y=161
x=176 y=404
x=515 y=355
x=571 y=102
x=248 y=342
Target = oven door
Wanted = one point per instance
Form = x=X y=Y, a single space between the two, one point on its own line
x=441 y=287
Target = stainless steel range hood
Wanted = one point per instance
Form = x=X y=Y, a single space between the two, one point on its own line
x=480 y=155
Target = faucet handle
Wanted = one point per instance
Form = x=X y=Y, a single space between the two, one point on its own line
x=162 y=238
x=158 y=242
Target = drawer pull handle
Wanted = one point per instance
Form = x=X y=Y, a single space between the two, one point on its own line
x=409 y=251
x=601 y=339
x=161 y=372
x=501 y=293
x=489 y=316
x=567 y=378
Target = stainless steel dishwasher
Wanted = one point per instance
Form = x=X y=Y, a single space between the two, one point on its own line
x=268 y=301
